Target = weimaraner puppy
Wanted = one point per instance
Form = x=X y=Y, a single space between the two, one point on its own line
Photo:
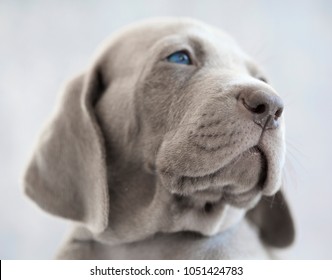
x=170 y=146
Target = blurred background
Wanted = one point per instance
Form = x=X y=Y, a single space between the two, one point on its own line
x=44 y=43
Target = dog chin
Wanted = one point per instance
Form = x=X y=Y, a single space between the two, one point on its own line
x=239 y=183
x=245 y=171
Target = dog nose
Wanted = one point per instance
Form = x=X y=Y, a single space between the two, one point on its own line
x=266 y=108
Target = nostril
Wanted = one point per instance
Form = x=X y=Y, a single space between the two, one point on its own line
x=277 y=114
x=265 y=107
x=259 y=109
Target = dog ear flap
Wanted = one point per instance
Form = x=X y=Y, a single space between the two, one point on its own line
x=66 y=175
x=274 y=220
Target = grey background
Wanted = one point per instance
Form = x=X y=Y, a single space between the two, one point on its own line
x=44 y=43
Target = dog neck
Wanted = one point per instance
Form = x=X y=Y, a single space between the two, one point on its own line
x=136 y=194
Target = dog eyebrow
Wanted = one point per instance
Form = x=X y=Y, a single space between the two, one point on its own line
x=185 y=42
x=197 y=46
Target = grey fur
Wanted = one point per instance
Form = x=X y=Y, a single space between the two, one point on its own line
x=158 y=160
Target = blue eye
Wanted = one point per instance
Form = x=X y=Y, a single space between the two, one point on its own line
x=180 y=57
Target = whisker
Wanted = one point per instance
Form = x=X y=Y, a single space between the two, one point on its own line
x=289 y=178
x=293 y=153
x=290 y=144
x=292 y=158
x=272 y=201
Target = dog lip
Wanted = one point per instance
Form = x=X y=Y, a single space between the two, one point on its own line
x=257 y=149
x=193 y=180
x=264 y=169
x=254 y=150
x=242 y=200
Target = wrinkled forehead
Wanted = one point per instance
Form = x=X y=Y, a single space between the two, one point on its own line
x=149 y=33
x=137 y=42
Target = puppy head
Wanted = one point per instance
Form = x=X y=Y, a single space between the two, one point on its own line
x=180 y=109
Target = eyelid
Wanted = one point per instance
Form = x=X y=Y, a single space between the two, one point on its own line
x=181 y=53
x=179 y=50
x=187 y=50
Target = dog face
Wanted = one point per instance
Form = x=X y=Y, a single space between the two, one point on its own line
x=175 y=130
x=200 y=109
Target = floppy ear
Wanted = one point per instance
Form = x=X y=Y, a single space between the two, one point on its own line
x=274 y=220
x=67 y=173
